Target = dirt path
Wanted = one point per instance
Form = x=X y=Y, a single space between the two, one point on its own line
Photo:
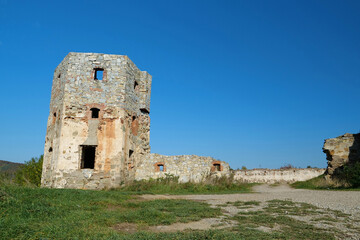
x=345 y=201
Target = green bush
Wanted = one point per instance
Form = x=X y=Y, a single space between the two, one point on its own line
x=351 y=174
x=30 y=172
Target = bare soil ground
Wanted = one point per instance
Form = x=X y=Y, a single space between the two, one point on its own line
x=335 y=210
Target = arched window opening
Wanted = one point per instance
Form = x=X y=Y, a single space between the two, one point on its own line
x=95 y=112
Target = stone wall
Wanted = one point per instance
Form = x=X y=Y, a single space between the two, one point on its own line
x=187 y=167
x=277 y=175
x=120 y=133
x=340 y=151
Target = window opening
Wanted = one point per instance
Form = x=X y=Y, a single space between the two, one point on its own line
x=54 y=118
x=160 y=167
x=144 y=111
x=95 y=112
x=217 y=167
x=50 y=149
x=136 y=85
x=99 y=74
x=88 y=157
x=59 y=75
x=130 y=153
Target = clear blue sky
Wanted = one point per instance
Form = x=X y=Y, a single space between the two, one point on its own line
x=254 y=83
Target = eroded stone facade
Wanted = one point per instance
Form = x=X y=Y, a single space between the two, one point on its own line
x=340 y=151
x=118 y=135
x=98 y=130
x=187 y=167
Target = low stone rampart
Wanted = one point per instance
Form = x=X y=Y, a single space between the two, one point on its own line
x=277 y=175
x=189 y=168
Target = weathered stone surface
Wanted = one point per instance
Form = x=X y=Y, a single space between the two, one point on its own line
x=340 y=151
x=187 y=167
x=277 y=175
x=122 y=98
x=109 y=120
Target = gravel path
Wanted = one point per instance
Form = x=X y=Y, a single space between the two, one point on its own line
x=345 y=201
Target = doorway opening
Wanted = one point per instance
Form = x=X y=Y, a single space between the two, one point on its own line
x=88 y=156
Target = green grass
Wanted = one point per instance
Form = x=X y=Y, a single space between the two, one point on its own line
x=276 y=218
x=290 y=208
x=280 y=227
x=319 y=183
x=33 y=213
x=170 y=185
x=244 y=205
x=39 y=213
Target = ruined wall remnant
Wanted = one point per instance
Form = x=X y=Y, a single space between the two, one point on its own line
x=98 y=129
x=277 y=175
x=99 y=114
x=187 y=167
x=340 y=151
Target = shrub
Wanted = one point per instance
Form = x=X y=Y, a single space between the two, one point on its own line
x=30 y=172
x=243 y=168
x=314 y=183
x=351 y=174
x=287 y=166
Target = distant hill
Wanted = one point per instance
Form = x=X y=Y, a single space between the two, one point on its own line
x=9 y=168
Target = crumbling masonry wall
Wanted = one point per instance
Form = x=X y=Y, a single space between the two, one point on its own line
x=187 y=167
x=340 y=151
x=98 y=130
x=121 y=128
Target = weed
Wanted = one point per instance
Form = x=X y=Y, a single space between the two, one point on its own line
x=248 y=204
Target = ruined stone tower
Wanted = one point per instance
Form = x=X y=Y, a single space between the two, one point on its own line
x=98 y=127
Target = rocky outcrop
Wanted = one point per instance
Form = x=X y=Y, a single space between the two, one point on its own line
x=340 y=151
